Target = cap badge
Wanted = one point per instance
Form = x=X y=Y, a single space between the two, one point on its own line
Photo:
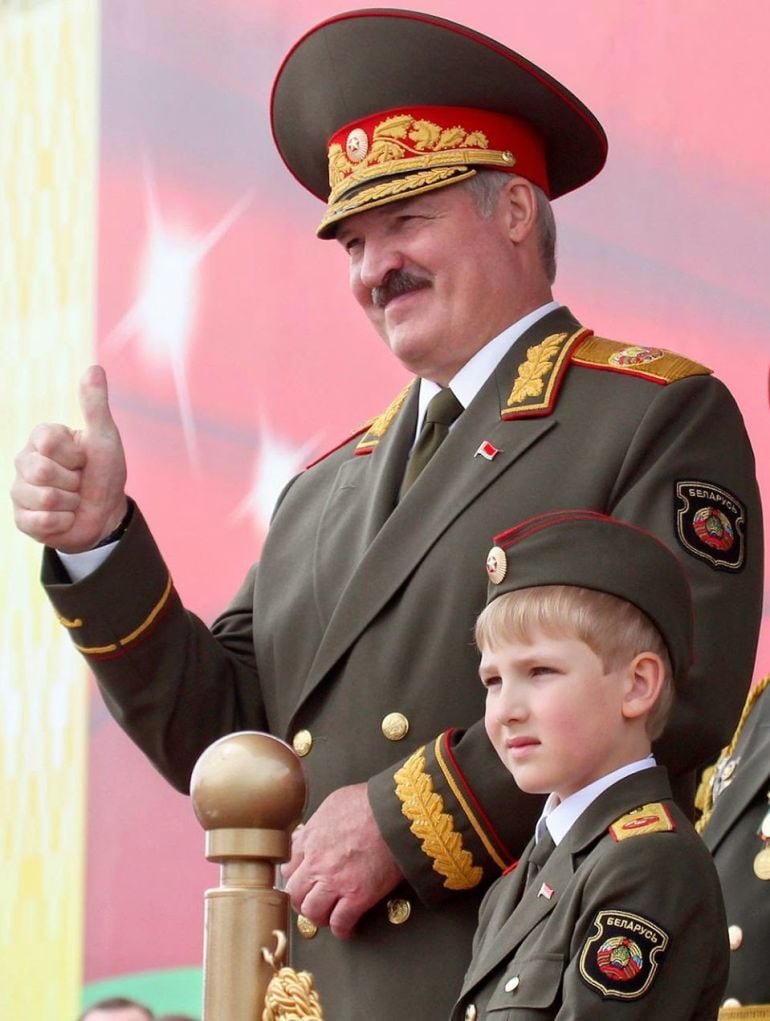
x=357 y=145
x=497 y=565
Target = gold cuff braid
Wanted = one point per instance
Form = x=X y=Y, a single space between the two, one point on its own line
x=434 y=827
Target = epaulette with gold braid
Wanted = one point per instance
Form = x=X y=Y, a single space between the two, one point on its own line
x=378 y=426
x=651 y=818
x=653 y=363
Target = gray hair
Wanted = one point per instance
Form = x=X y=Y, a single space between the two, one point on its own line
x=485 y=187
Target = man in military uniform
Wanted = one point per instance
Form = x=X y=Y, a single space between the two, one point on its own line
x=735 y=824
x=437 y=150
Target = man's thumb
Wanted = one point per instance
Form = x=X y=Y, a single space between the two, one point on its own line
x=94 y=401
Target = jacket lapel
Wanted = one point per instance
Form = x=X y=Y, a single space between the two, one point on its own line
x=538 y=900
x=397 y=538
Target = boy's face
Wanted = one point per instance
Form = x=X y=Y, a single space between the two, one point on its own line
x=554 y=716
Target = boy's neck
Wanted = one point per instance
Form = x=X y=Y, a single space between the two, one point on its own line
x=568 y=809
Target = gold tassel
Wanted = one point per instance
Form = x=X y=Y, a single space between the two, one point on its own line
x=290 y=995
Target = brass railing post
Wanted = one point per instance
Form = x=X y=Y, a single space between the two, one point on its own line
x=248 y=792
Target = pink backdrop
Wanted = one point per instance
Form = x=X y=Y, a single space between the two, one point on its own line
x=231 y=342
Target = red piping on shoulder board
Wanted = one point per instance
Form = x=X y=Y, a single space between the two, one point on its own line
x=639 y=373
x=347 y=439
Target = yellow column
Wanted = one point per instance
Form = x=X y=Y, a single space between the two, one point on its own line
x=48 y=186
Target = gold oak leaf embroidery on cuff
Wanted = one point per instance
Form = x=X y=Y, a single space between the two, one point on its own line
x=434 y=827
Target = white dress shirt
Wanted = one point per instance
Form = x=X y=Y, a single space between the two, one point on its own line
x=559 y=816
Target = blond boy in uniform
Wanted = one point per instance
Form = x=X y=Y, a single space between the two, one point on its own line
x=614 y=909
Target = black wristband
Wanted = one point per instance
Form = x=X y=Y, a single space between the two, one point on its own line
x=118 y=532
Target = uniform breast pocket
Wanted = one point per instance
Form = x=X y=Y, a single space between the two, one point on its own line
x=529 y=986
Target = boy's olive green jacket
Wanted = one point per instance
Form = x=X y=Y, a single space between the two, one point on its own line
x=623 y=921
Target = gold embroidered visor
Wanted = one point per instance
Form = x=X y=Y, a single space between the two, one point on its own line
x=400 y=153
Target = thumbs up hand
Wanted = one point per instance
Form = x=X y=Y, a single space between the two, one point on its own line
x=69 y=490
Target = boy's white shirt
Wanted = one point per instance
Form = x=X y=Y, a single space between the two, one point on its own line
x=559 y=816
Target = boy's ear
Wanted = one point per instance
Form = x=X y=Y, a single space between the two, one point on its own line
x=644 y=680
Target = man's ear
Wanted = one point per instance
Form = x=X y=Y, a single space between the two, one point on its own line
x=519 y=206
x=644 y=679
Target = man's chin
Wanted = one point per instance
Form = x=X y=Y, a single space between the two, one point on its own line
x=415 y=351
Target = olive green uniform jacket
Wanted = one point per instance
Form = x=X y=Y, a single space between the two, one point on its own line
x=732 y=834
x=360 y=609
x=623 y=921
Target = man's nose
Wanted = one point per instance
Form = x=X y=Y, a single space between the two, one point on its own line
x=377 y=261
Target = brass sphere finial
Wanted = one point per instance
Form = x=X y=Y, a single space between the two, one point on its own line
x=248 y=781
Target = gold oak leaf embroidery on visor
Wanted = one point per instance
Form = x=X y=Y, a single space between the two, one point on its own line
x=529 y=382
x=384 y=192
x=434 y=827
x=398 y=137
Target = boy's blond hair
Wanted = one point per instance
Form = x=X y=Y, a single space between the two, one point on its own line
x=614 y=629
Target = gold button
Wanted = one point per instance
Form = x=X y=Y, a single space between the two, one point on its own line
x=399 y=909
x=471 y=1013
x=735 y=935
x=302 y=742
x=511 y=984
x=305 y=927
x=395 y=726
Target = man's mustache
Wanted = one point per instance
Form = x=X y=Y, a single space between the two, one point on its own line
x=397 y=282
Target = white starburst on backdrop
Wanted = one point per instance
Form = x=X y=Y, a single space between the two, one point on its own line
x=277 y=461
x=163 y=315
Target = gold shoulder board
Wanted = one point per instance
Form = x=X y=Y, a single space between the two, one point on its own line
x=652 y=818
x=653 y=363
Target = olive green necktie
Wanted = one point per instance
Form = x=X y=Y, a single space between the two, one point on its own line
x=441 y=412
x=540 y=854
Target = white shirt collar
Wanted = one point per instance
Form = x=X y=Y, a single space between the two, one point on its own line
x=472 y=376
x=560 y=816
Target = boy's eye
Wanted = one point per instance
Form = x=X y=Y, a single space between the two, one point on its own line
x=542 y=670
x=490 y=682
